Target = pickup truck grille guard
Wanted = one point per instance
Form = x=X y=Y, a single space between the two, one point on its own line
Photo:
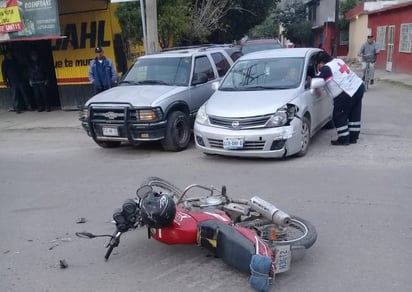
x=123 y=116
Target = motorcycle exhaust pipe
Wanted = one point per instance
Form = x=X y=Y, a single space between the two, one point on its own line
x=269 y=211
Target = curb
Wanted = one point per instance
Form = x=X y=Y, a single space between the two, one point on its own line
x=27 y=121
x=44 y=128
x=395 y=82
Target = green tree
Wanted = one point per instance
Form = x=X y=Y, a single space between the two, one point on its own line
x=268 y=28
x=238 y=22
x=197 y=21
x=206 y=17
x=296 y=27
x=173 y=21
x=130 y=21
x=345 y=7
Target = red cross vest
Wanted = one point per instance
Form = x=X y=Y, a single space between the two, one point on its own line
x=342 y=79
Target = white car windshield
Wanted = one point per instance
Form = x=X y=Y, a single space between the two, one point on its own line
x=163 y=71
x=261 y=74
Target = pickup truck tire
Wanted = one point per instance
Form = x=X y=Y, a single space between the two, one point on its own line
x=177 y=135
x=108 y=144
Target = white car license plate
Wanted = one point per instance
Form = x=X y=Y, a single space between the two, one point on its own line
x=233 y=143
x=109 y=131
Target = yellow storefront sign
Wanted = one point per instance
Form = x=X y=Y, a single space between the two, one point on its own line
x=83 y=33
x=10 y=19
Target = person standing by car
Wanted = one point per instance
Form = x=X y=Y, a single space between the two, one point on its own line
x=102 y=73
x=13 y=76
x=38 y=80
x=368 y=52
x=347 y=90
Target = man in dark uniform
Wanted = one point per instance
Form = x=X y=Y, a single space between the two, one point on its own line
x=347 y=90
x=38 y=80
x=102 y=73
x=13 y=76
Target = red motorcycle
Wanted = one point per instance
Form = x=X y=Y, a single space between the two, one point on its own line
x=251 y=235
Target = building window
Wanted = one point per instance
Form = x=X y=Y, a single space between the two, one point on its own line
x=381 y=38
x=312 y=12
x=405 y=42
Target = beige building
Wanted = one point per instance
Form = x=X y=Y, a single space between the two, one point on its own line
x=358 y=27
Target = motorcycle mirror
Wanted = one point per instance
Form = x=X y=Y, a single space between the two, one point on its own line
x=85 y=235
x=91 y=235
x=224 y=191
x=143 y=191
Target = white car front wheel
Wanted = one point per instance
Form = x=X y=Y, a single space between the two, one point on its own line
x=305 y=133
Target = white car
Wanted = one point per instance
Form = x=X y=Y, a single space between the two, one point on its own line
x=266 y=106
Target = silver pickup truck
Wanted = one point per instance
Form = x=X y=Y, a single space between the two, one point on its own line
x=158 y=98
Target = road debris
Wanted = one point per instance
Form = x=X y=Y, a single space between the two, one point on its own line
x=81 y=220
x=63 y=264
x=53 y=246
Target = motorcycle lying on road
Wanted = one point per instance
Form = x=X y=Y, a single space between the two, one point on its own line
x=251 y=235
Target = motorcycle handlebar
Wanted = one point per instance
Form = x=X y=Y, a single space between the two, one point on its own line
x=114 y=242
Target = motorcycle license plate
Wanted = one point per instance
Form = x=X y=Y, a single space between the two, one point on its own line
x=233 y=143
x=282 y=258
x=110 y=131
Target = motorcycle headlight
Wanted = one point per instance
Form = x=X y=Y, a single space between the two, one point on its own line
x=201 y=116
x=278 y=119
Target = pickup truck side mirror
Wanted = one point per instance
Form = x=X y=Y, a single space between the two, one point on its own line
x=199 y=78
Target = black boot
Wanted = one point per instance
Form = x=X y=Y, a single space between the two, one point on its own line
x=341 y=141
x=353 y=137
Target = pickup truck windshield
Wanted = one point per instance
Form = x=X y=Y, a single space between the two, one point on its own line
x=264 y=74
x=250 y=48
x=173 y=71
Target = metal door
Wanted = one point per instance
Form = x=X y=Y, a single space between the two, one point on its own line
x=391 y=36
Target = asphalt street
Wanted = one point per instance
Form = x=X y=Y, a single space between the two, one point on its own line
x=357 y=196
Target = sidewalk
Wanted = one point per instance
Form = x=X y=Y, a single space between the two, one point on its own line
x=35 y=120
x=385 y=76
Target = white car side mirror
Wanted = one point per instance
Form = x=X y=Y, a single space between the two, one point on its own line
x=317 y=83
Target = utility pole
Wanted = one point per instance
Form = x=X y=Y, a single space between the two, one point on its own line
x=152 y=40
x=143 y=15
x=336 y=37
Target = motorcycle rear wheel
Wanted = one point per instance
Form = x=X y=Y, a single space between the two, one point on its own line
x=161 y=185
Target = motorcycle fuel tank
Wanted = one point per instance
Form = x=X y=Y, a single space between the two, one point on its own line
x=184 y=227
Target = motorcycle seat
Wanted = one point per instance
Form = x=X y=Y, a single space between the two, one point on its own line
x=226 y=243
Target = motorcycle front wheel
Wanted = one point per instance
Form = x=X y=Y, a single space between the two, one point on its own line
x=160 y=185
